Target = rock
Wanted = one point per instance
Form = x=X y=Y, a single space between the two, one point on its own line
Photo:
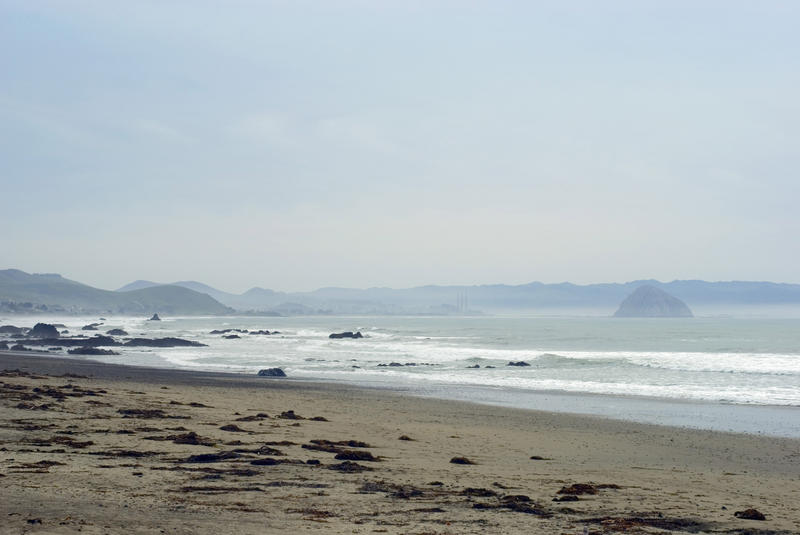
x=3 y=345
x=353 y=455
x=19 y=347
x=651 y=302
x=11 y=329
x=65 y=331
x=44 y=330
x=90 y=327
x=91 y=351
x=460 y=460
x=212 y=457
x=346 y=334
x=233 y=428
x=117 y=332
x=162 y=342
x=519 y=363
x=578 y=489
x=264 y=332
x=750 y=514
x=231 y=336
x=476 y=366
x=154 y=318
x=271 y=372
x=348 y=467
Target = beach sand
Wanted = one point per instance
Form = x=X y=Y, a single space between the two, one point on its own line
x=100 y=448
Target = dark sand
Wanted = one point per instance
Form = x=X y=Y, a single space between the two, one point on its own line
x=71 y=461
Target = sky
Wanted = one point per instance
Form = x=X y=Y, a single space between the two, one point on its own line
x=299 y=144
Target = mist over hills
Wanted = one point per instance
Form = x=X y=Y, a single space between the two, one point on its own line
x=495 y=297
x=22 y=292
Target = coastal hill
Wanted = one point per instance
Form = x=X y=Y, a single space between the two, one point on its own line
x=433 y=299
x=49 y=292
x=23 y=292
x=650 y=302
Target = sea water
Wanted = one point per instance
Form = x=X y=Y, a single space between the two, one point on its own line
x=733 y=374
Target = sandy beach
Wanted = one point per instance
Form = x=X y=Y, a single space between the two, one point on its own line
x=100 y=448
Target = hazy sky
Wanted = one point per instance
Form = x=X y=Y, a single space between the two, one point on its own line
x=293 y=144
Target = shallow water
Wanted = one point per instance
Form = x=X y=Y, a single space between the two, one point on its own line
x=735 y=374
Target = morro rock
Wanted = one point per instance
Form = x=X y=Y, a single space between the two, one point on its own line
x=651 y=302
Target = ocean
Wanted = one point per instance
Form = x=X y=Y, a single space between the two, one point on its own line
x=728 y=374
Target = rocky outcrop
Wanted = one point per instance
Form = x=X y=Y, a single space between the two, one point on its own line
x=154 y=317
x=44 y=330
x=162 y=342
x=346 y=334
x=272 y=372
x=91 y=327
x=91 y=351
x=651 y=302
x=520 y=363
x=11 y=329
x=117 y=332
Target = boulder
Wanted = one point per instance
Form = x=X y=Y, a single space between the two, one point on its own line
x=750 y=514
x=117 y=332
x=518 y=363
x=91 y=327
x=44 y=330
x=231 y=336
x=651 y=302
x=346 y=334
x=154 y=317
x=271 y=372
x=19 y=347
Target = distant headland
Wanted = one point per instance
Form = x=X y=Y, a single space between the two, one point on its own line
x=25 y=293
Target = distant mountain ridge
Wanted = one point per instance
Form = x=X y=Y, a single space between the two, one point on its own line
x=49 y=292
x=534 y=295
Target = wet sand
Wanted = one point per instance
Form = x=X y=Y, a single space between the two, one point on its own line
x=100 y=448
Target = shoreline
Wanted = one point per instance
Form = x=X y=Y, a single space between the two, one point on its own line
x=100 y=447
x=780 y=421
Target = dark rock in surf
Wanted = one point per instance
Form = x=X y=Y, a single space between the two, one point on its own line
x=44 y=330
x=231 y=336
x=117 y=332
x=3 y=345
x=154 y=317
x=651 y=302
x=519 y=363
x=91 y=351
x=91 y=327
x=346 y=334
x=19 y=347
x=271 y=372
x=11 y=329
